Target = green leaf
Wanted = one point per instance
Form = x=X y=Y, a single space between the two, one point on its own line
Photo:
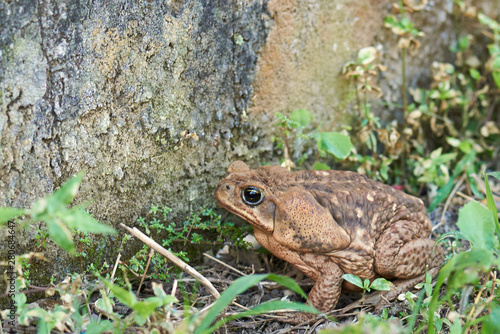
x=105 y=303
x=476 y=224
x=453 y=234
x=463 y=43
x=456 y=326
x=100 y=327
x=444 y=158
x=263 y=309
x=468 y=267
x=57 y=201
x=492 y=322
x=160 y=293
x=145 y=308
x=442 y=193
x=60 y=234
x=496 y=74
x=76 y=218
x=382 y=284
x=474 y=74
x=494 y=174
x=20 y=298
x=64 y=195
x=321 y=166
x=8 y=213
x=353 y=279
x=334 y=143
x=367 y=55
x=302 y=117
x=453 y=141
x=124 y=296
x=366 y=284
x=491 y=23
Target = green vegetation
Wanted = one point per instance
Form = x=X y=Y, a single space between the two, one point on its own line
x=152 y=314
x=188 y=235
x=455 y=110
x=58 y=219
x=294 y=130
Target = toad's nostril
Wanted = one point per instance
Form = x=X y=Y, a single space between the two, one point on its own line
x=228 y=187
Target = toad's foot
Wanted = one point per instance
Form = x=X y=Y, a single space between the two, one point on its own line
x=302 y=318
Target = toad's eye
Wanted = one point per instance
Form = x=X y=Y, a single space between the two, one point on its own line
x=252 y=195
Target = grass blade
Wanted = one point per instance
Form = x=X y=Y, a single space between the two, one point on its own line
x=415 y=312
x=238 y=286
x=265 y=308
x=442 y=276
x=288 y=283
x=490 y=201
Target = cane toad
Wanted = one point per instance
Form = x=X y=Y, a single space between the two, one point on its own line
x=328 y=223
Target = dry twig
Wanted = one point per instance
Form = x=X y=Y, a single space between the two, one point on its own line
x=151 y=253
x=225 y=264
x=447 y=204
x=178 y=262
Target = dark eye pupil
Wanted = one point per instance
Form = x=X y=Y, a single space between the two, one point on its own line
x=252 y=195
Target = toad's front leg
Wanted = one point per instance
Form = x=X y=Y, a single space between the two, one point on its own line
x=326 y=291
x=323 y=296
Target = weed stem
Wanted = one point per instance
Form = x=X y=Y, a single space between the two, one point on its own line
x=403 y=85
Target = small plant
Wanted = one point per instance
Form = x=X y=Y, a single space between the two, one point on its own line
x=141 y=309
x=408 y=40
x=380 y=284
x=60 y=220
x=294 y=129
x=363 y=73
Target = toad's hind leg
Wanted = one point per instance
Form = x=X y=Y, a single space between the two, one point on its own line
x=403 y=251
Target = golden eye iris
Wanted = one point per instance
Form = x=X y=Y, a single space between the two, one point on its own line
x=252 y=195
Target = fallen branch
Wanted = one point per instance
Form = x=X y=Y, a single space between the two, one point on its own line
x=178 y=262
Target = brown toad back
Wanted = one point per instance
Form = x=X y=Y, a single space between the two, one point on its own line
x=329 y=223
